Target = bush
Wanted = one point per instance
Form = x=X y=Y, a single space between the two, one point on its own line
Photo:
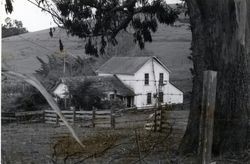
x=112 y=104
x=30 y=101
x=83 y=95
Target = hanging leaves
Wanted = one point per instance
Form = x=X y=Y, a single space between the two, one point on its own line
x=106 y=18
x=8 y=6
x=40 y=2
x=151 y=24
x=90 y=48
x=60 y=45
x=50 y=32
x=94 y=18
x=103 y=45
x=146 y=35
x=64 y=7
x=138 y=39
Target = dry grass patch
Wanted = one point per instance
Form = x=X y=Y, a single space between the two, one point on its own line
x=67 y=148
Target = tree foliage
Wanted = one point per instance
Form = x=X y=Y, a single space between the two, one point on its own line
x=85 y=96
x=30 y=100
x=19 y=96
x=12 y=27
x=99 y=21
x=8 y=6
x=51 y=71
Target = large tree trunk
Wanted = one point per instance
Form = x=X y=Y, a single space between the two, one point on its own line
x=220 y=41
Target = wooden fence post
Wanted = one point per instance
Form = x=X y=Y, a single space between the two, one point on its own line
x=155 y=120
x=74 y=115
x=57 y=119
x=112 y=119
x=138 y=146
x=93 y=116
x=161 y=117
x=44 y=119
x=207 y=116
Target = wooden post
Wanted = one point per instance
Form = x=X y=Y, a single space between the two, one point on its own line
x=57 y=119
x=112 y=119
x=155 y=120
x=162 y=118
x=74 y=115
x=138 y=146
x=93 y=116
x=44 y=119
x=207 y=116
x=17 y=118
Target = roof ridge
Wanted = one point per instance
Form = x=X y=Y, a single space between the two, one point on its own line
x=131 y=57
x=123 y=65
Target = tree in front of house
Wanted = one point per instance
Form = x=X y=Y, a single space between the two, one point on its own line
x=51 y=71
x=83 y=96
x=12 y=27
x=86 y=93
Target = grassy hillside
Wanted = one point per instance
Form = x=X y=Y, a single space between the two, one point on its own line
x=171 y=44
x=20 y=51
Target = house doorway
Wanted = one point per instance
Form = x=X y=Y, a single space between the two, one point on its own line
x=130 y=101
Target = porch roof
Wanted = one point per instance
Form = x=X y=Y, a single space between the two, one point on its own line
x=101 y=83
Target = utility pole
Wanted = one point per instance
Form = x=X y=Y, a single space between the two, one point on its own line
x=159 y=104
x=64 y=65
x=156 y=97
x=64 y=70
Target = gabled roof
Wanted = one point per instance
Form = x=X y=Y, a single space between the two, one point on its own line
x=126 y=65
x=101 y=83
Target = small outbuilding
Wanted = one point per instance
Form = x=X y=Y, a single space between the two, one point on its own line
x=110 y=87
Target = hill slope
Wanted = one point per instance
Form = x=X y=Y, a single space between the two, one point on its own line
x=171 y=44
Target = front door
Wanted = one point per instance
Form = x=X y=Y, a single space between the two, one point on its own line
x=130 y=101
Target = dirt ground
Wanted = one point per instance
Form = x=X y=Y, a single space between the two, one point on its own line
x=41 y=143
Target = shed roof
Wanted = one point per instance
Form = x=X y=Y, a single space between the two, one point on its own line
x=126 y=65
x=102 y=83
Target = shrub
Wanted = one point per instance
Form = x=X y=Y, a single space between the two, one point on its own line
x=30 y=100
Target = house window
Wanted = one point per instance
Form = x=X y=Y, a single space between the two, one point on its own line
x=149 y=99
x=161 y=78
x=161 y=97
x=111 y=96
x=146 y=78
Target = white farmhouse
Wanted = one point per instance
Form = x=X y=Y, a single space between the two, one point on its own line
x=147 y=77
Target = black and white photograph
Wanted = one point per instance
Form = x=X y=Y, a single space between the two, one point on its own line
x=125 y=81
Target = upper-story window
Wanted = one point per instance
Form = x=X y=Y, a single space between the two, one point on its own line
x=146 y=79
x=161 y=78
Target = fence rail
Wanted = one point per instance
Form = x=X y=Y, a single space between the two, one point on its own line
x=96 y=118
x=106 y=118
x=89 y=118
x=22 y=117
x=8 y=117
